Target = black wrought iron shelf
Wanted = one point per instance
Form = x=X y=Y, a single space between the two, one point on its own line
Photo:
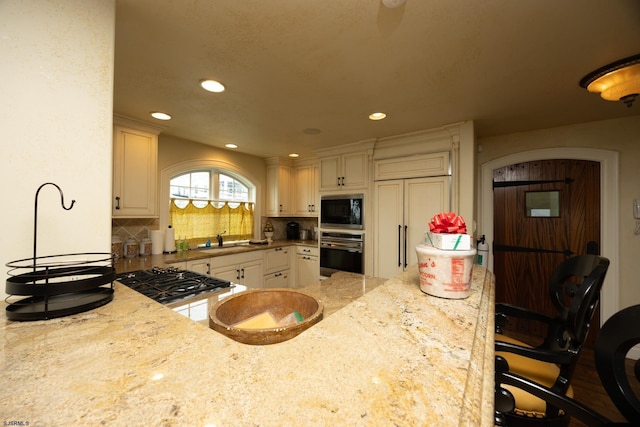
x=58 y=285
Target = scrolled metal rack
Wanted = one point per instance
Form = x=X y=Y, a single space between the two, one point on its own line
x=58 y=285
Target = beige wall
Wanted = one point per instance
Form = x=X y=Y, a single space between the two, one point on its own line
x=56 y=117
x=621 y=135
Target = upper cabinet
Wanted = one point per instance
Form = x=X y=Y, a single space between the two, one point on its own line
x=306 y=195
x=135 y=165
x=292 y=188
x=345 y=167
x=279 y=188
x=344 y=171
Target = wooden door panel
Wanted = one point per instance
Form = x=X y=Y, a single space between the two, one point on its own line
x=537 y=244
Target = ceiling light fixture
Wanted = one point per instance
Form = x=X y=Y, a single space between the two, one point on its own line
x=294 y=155
x=212 y=86
x=160 y=115
x=377 y=116
x=231 y=145
x=311 y=131
x=392 y=4
x=618 y=81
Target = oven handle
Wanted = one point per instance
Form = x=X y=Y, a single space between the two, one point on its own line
x=353 y=247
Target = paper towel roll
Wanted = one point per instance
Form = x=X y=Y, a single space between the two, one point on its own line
x=170 y=240
x=157 y=241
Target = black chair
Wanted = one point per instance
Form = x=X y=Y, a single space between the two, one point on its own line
x=575 y=292
x=618 y=335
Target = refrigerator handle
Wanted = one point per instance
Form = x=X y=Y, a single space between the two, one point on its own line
x=399 y=245
x=405 y=246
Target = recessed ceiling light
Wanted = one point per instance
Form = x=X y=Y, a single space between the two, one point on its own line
x=377 y=116
x=231 y=145
x=311 y=131
x=212 y=86
x=160 y=115
x=294 y=155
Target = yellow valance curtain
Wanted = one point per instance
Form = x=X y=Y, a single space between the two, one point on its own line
x=200 y=220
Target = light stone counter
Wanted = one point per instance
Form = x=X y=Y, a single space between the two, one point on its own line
x=395 y=356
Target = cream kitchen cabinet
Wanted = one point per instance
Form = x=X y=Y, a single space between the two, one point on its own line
x=403 y=208
x=135 y=164
x=276 y=268
x=244 y=268
x=307 y=266
x=343 y=172
x=276 y=259
x=306 y=195
x=279 y=279
x=279 y=194
x=202 y=266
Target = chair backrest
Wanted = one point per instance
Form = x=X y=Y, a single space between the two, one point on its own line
x=574 y=289
x=618 y=335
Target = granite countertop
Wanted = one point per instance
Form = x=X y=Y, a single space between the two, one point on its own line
x=147 y=262
x=394 y=356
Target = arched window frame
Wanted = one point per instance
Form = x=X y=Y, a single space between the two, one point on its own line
x=230 y=169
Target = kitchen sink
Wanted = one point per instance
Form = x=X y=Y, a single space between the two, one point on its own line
x=224 y=248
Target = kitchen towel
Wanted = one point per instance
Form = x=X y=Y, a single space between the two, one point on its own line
x=157 y=241
x=170 y=240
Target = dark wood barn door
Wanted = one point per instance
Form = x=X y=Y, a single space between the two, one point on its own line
x=528 y=244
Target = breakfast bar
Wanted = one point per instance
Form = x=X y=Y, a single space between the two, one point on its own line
x=387 y=355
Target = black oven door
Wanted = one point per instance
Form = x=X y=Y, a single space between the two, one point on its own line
x=340 y=255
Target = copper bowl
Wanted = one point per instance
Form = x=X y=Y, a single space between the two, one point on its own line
x=280 y=302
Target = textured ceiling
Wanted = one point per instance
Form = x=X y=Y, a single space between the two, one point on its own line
x=289 y=65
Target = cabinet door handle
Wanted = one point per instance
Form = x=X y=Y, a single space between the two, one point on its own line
x=238 y=274
x=342 y=181
x=242 y=273
x=313 y=208
x=338 y=181
x=280 y=208
x=117 y=203
x=208 y=269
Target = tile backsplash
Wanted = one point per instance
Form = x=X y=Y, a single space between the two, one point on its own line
x=280 y=226
x=138 y=228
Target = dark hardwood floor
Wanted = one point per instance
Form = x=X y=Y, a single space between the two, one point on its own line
x=588 y=390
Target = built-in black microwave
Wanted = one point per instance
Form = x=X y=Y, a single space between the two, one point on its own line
x=342 y=211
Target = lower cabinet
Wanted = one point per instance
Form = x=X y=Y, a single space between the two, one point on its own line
x=245 y=268
x=307 y=266
x=276 y=268
x=202 y=266
x=279 y=279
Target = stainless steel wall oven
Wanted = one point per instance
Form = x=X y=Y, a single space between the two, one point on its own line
x=341 y=252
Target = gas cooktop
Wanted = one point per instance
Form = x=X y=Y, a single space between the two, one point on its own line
x=169 y=285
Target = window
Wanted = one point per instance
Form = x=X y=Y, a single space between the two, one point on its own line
x=205 y=203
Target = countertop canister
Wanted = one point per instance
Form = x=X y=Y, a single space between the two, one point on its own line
x=130 y=248
x=145 y=247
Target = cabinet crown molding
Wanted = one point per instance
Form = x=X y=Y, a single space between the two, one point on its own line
x=120 y=120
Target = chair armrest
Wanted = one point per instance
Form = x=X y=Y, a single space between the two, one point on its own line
x=570 y=406
x=521 y=313
x=549 y=356
x=504 y=311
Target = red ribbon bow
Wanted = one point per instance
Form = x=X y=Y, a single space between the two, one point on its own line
x=447 y=223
